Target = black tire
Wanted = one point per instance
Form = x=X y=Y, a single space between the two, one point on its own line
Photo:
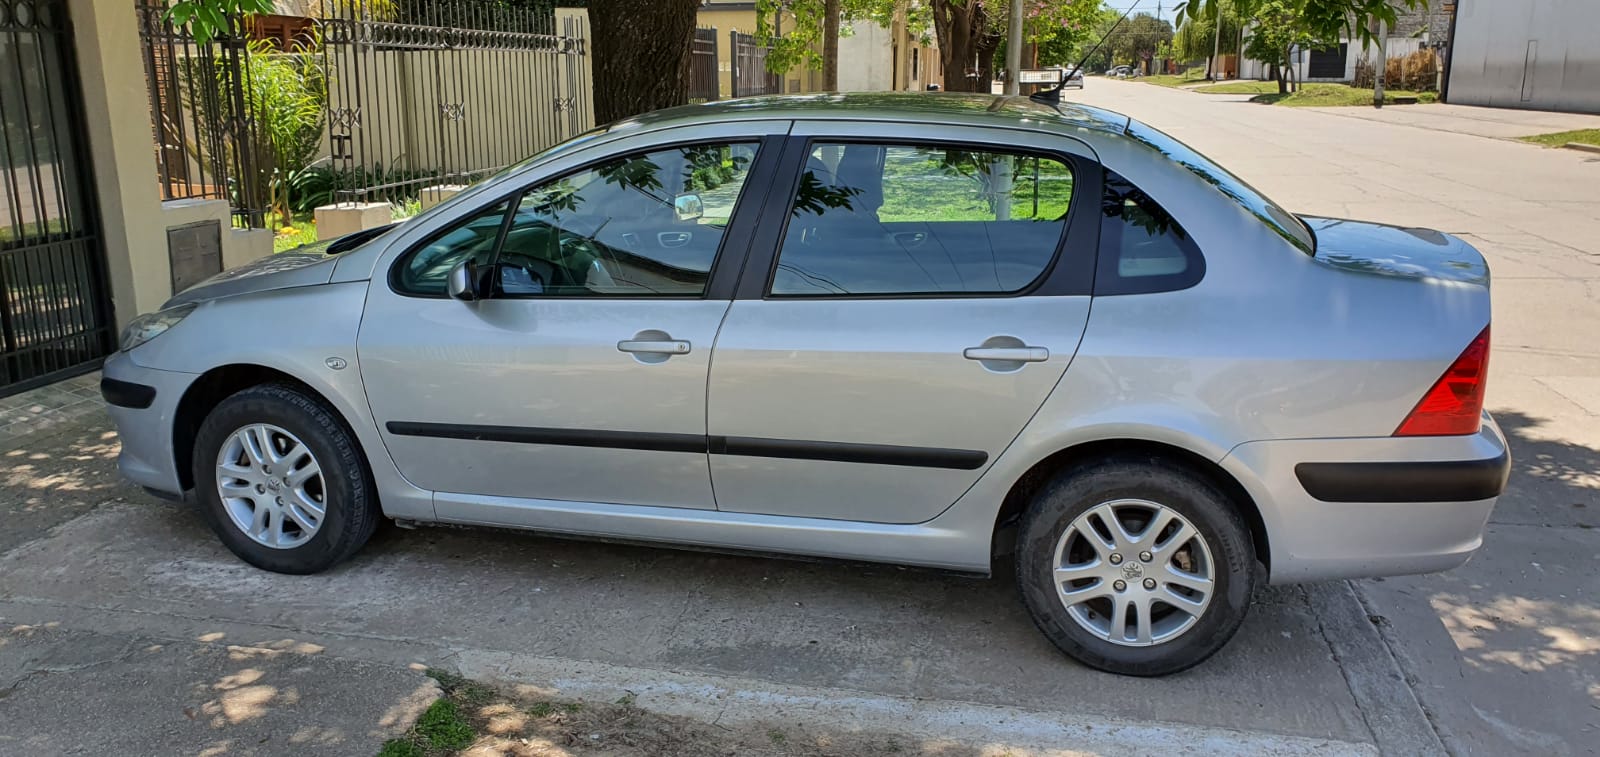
x=350 y=498
x=1212 y=513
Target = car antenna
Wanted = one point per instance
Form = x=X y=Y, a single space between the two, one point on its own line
x=1053 y=94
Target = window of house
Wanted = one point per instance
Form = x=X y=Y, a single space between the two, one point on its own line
x=900 y=219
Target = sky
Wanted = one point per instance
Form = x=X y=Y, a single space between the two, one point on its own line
x=1146 y=6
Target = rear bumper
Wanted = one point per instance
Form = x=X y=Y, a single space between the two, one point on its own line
x=1346 y=508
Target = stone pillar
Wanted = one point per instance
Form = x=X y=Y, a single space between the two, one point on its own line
x=438 y=193
x=335 y=221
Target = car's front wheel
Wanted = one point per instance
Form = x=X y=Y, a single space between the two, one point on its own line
x=282 y=481
x=1135 y=566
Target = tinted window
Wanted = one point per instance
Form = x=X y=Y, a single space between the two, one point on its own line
x=1142 y=247
x=644 y=225
x=892 y=219
x=423 y=271
x=648 y=224
x=1279 y=220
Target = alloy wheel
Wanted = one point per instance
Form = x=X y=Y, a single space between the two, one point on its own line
x=1134 y=572
x=271 y=486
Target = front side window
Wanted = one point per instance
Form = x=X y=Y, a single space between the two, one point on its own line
x=921 y=220
x=424 y=270
x=643 y=225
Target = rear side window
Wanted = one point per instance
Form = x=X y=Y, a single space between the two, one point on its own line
x=1142 y=247
x=878 y=219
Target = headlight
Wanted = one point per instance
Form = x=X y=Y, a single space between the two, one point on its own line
x=151 y=325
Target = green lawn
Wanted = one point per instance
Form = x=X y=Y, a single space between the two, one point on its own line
x=1247 y=87
x=1324 y=95
x=1191 y=76
x=1581 y=136
x=300 y=231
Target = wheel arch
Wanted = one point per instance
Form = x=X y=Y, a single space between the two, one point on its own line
x=1030 y=482
x=219 y=383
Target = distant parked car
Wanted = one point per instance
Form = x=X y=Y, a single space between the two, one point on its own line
x=1121 y=72
x=1073 y=79
x=928 y=329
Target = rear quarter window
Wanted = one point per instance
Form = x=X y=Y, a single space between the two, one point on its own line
x=1143 y=248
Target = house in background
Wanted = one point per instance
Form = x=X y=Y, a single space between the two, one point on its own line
x=871 y=58
x=1540 y=54
x=1422 y=28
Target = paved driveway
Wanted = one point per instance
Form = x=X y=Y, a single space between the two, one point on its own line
x=1505 y=652
x=107 y=595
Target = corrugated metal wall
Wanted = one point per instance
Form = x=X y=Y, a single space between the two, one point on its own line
x=1540 y=54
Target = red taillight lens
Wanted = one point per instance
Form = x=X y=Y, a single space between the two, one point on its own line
x=1454 y=406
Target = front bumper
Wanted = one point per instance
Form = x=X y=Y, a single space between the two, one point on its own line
x=146 y=432
x=1347 y=508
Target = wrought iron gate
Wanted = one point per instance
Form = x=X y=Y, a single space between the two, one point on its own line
x=703 y=84
x=750 y=74
x=54 y=313
x=444 y=92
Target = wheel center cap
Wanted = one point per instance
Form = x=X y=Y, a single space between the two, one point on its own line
x=273 y=484
x=1132 y=570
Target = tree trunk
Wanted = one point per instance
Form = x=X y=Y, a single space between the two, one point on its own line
x=830 y=45
x=958 y=25
x=985 y=47
x=640 y=55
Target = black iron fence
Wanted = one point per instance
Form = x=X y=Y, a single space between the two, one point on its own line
x=54 y=312
x=750 y=74
x=442 y=93
x=370 y=101
x=203 y=115
x=703 y=79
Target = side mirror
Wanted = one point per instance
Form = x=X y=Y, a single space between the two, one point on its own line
x=688 y=207
x=462 y=284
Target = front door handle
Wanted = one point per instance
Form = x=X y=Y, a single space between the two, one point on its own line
x=654 y=346
x=1007 y=354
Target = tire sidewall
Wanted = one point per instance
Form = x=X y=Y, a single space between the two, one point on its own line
x=321 y=432
x=1206 y=508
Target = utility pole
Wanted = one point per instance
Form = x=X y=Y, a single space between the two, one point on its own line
x=1216 y=42
x=1014 y=50
x=1382 y=67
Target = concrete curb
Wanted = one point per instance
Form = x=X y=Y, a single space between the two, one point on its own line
x=1379 y=685
x=733 y=701
x=1582 y=146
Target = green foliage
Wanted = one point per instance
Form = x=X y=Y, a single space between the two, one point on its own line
x=208 y=19
x=287 y=93
x=1280 y=26
x=443 y=727
x=1323 y=19
x=1197 y=36
x=1329 y=95
x=318 y=185
x=1580 y=136
x=401 y=748
x=801 y=43
x=1136 y=38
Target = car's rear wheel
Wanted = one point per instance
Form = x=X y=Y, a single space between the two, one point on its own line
x=1136 y=566
x=282 y=481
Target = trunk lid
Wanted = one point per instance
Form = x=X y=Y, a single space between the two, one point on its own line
x=1396 y=251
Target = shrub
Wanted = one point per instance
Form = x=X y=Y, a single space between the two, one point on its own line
x=1417 y=72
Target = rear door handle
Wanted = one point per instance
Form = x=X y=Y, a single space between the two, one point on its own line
x=1007 y=354
x=654 y=346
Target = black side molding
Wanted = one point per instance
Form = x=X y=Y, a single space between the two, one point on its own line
x=743 y=446
x=127 y=393
x=1441 y=481
x=564 y=437
x=844 y=452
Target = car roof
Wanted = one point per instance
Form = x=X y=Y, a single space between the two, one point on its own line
x=955 y=108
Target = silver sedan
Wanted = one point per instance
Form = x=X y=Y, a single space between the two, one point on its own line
x=942 y=330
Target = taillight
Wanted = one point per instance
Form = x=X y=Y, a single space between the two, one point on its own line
x=1454 y=406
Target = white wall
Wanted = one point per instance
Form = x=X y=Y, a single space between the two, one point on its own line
x=1542 y=54
x=866 y=59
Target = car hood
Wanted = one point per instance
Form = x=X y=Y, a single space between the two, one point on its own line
x=281 y=271
x=1398 y=251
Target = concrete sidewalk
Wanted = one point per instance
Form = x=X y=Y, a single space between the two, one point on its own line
x=130 y=589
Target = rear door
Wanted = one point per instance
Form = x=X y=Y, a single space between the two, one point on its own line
x=923 y=290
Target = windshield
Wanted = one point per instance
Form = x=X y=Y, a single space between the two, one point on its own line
x=1279 y=220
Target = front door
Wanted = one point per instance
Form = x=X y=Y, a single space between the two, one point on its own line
x=926 y=296
x=581 y=375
